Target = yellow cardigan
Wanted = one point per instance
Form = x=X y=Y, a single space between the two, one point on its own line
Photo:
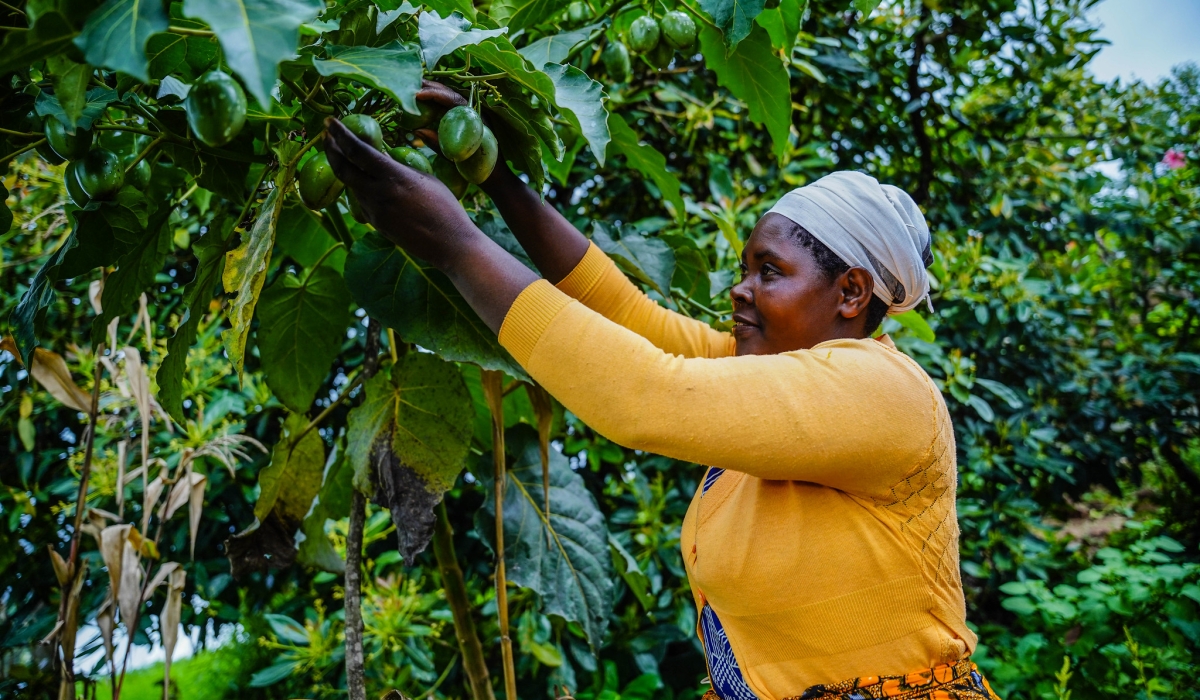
x=829 y=550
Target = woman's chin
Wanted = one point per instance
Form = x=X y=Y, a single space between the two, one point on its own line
x=749 y=340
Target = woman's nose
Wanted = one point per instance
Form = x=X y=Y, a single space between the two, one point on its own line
x=741 y=293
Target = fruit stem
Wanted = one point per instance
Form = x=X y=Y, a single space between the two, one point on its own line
x=145 y=152
x=305 y=97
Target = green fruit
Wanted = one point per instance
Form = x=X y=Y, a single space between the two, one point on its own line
x=319 y=187
x=447 y=172
x=139 y=176
x=616 y=61
x=679 y=30
x=460 y=132
x=356 y=208
x=643 y=34
x=427 y=113
x=365 y=128
x=412 y=158
x=216 y=108
x=71 y=181
x=100 y=174
x=661 y=56
x=479 y=166
x=67 y=146
x=578 y=12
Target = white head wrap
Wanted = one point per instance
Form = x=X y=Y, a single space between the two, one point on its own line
x=868 y=225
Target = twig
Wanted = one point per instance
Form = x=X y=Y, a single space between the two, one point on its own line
x=187 y=31
x=467 y=77
x=303 y=95
x=18 y=10
x=145 y=152
x=19 y=151
x=26 y=134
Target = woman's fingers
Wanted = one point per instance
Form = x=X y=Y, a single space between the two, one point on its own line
x=430 y=137
x=357 y=151
x=345 y=170
x=440 y=94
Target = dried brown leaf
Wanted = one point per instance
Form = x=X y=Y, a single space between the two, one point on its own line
x=161 y=575
x=104 y=620
x=129 y=595
x=62 y=570
x=7 y=343
x=170 y=623
x=95 y=291
x=50 y=370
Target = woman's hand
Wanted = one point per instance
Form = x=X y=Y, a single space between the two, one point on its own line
x=414 y=210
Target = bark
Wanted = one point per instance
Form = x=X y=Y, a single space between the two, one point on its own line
x=460 y=606
x=355 y=682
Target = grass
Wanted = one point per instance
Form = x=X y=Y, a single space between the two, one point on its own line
x=193 y=678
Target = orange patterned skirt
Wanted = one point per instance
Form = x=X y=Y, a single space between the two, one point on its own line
x=958 y=681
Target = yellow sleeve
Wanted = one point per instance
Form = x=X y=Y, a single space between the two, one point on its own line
x=601 y=286
x=855 y=415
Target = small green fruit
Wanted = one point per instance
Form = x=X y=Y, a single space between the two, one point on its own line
x=643 y=34
x=616 y=61
x=365 y=128
x=139 y=176
x=447 y=172
x=67 y=146
x=460 y=133
x=101 y=174
x=412 y=158
x=578 y=12
x=427 y=113
x=661 y=56
x=319 y=187
x=679 y=30
x=216 y=108
x=479 y=166
x=71 y=182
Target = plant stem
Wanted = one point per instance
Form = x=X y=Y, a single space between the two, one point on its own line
x=303 y=95
x=460 y=606
x=493 y=389
x=355 y=683
x=187 y=31
x=21 y=150
x=14 y=9
x=467 y=77
x=145 y=152
x=26 y=134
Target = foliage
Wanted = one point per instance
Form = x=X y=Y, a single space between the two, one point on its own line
x=260 y=350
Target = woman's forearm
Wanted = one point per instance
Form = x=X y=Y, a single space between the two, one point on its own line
x=553 y=244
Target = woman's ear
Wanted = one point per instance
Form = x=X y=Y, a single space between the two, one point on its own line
x=856 y=286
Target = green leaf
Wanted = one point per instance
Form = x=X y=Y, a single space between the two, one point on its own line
x=645 y=159
x=783 y=24
x=135 y=272
x=273 y=674
x=556 y=47
x=246 y=269
x=210 y=252
x=255 y=35
x=446 y=7
x=333 y=502
x=30 y=313
x=581 y=99
x=287 y=487
x=734 y=18
x=70 y=85
x=395 y=69
x=518 y=14
x=631 y=573
x=301 y=326
x=499 y=53
x=115 y=35
x=105 y=233
x=650 y=260
x=691 y=269
x=915 y=323
x=287 y=629
x=408 y=440
x=97 y=101
x=1002 y=392
x=538 y=118
x=566 y=559
x=518 y=144
x=51 y=32
x=756 y=76
x=865 y=6
x=442 y=37
x=421 y=304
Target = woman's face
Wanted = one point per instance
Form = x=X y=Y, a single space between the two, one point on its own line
x=785 y=302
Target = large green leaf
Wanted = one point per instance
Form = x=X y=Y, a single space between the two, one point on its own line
x=301 y=326
x=650 y=260
x=755 y=75
x=70 y=85
x=421 y=304
x=442 y=37
x=245 y=271
x=783 y=24
x=499 y=53
x=645 y=159
x=394 y=69
x=408 y=440
x=734 y=18
x=333 y=503
x=518 y=14
x=51 y=32
x=115 y=35
x=581 y=99
x=255 y=35
x=564 y=559
x=518 y=144
x=287 y=487
x=210 y=252
x=556 y=47
x=29 y=315
x=96 y=101
x=135 y=272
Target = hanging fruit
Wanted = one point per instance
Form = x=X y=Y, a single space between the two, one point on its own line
x=643 y=34
x=216 y=108
x=679 y=30
x=366 y=128
x=460 y=133
x=319 y=187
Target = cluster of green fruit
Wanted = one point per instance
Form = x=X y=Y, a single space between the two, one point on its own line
x=469 y=153
x=92 y=173
x=656 y=40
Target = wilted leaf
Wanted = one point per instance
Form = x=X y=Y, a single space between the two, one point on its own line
x=164 y=570
x=650 y=260
x=169 y=621
x=288 y=486
x=421 y=304
x=50 y=370
x=564 y=559
x=245 y=271
x=442 y=37
x=408 y=439
x=394 y=69
x=301 y=326
x=256 y=35
x=188 y=490
x=645 y=159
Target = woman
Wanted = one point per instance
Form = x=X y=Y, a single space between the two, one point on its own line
x=822 y=544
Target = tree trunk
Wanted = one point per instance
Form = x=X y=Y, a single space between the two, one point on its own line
x=355 y=683
x=460 y=606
